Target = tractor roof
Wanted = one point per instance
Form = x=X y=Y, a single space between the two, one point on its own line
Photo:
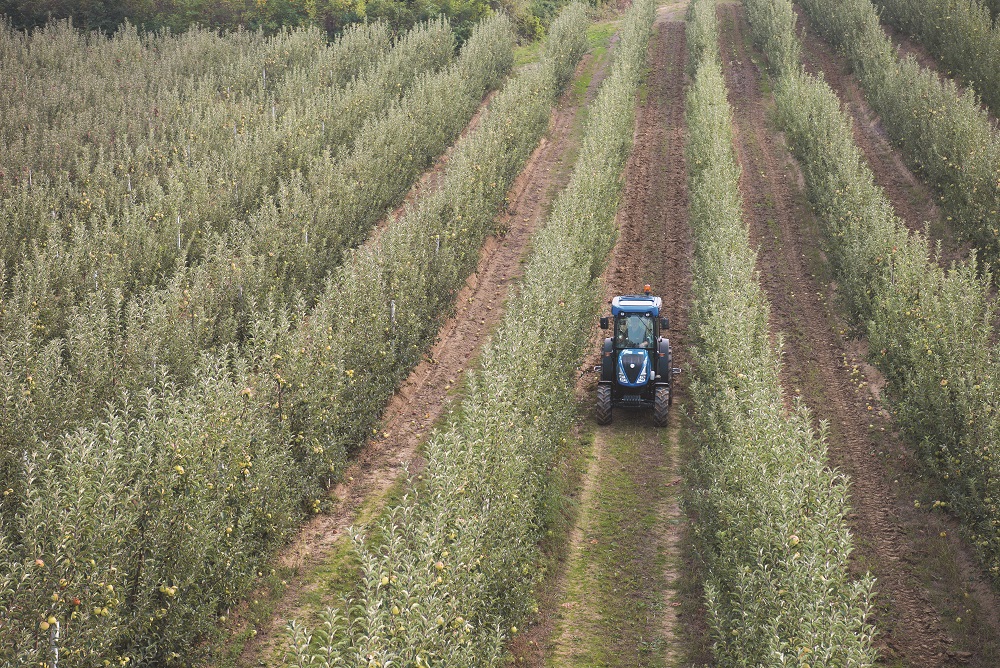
x=636 y=304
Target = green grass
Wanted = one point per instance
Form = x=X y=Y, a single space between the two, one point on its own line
x=619 y=573
x=229 y=643
x=630 y=587
x=527 y=53
x=599 y=35
x=599 y=38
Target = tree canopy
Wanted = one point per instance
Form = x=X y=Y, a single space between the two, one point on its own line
x=273 y=15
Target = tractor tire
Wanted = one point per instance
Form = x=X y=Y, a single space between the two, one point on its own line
x=603 y=411
x=661 y=406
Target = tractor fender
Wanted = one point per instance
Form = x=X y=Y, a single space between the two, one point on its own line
x=664 y=370
x=608 y=361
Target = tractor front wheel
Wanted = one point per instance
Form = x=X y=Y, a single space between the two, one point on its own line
x=661 y=406
x=603 y=412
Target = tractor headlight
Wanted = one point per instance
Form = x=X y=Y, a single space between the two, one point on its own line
x=643 y=374
x=622 y=378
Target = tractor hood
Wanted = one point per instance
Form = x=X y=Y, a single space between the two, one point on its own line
x=633 y=367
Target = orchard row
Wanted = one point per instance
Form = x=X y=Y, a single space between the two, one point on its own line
x=452 y=572
x=930 y=329
x=161 y=450
x=771 y=516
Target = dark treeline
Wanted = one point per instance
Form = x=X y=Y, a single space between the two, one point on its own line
x=271 y=15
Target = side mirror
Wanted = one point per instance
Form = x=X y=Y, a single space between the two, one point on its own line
x=664 y=323
x=604 y=322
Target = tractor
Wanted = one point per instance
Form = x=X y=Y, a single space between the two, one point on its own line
x=635 y=367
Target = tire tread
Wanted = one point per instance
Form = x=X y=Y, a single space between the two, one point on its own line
x=603 y=409
x=661 y=406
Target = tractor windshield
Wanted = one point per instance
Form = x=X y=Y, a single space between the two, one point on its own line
x=633 y=330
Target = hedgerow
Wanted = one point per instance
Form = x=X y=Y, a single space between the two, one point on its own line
x=946 y=136
x=275 y=16
x=104 y=135
x=66 y=357
x=381 y=309
x=929 y=329
x=959 y=33
x=453 y=571
x=138 y=529
x=772 y=27
x=771 y=516
x=132 y=249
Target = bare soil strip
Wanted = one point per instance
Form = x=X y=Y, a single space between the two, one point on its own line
x=925 y=576
x=425 y=395
x=616 y=601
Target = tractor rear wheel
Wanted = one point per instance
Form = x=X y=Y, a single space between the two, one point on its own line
x=603 y=412
x=661 y=406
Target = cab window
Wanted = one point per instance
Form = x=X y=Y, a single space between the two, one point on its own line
x=633 y=330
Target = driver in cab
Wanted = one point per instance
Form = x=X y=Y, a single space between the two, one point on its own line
x=635 y=332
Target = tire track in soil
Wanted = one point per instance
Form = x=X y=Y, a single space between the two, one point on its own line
x=910 y=629
x=913 y=200
x=423 y=397
x=654 y=246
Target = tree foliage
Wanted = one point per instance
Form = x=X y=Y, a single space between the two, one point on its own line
x=771 y=516
x=931 y=330
x=274 y=15
x=960 y=33
x=153 y=456
x=944 y=134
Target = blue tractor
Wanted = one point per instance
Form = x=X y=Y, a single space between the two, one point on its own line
x=635 y=368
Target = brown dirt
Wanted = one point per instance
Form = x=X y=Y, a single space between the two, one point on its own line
x=897 y=543
x=654 y=247
x=424 y=397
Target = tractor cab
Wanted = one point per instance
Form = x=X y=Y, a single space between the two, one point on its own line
x=634 y=329
x=636 y=361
